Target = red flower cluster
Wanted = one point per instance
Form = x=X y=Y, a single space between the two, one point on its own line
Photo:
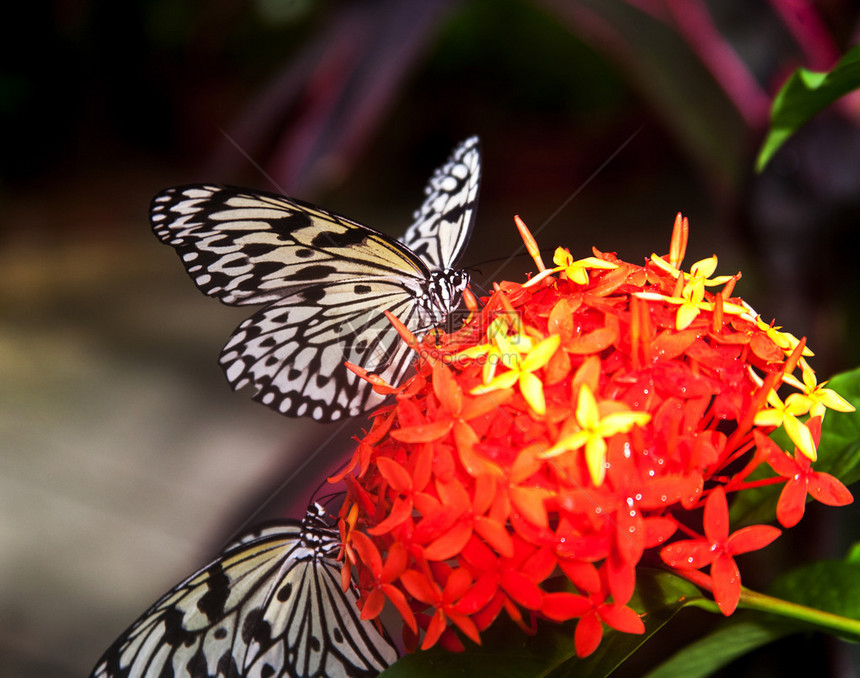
x=574 y=422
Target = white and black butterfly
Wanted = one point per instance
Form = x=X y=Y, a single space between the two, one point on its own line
x=270 y=606
x=327 y=281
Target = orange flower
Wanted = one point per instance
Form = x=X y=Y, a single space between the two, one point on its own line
x=573 y=423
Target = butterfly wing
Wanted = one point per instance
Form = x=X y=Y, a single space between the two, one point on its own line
x=269 y=606
x=328 y=281
x=442 y=225
x=292 y=352
x=250 y=247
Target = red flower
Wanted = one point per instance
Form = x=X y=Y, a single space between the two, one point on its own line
x=718 y=549
x=574 y=423
x=801 y=479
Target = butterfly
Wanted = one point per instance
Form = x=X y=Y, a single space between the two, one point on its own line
x=270 y=605
x=326 y=282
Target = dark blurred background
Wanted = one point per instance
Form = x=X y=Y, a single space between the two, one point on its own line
x=126 y=459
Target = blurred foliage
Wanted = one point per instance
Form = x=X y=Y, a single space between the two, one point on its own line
x=805 y=94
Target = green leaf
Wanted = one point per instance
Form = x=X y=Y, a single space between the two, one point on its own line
x=734 y=638
x=839 y=449
x=838 y=455
x=805 y=94
x=830 y=586
x=506 y=652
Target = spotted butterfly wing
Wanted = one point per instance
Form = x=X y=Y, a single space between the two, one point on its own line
x=327 y=281
x=270 y=605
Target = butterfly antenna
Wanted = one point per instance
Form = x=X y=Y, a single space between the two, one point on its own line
x=477 y=267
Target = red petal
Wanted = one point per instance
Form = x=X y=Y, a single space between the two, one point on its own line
x=400 y=511
x=727 y=583
x=562 y=606
x=828 y=490
x=717 y=516
x=583 y=575
x=423 y=433
x=751 y=538
x=458 y=583
x=466 y=625
x=450 y=641
x=447 y=389
x=485 y=492
x=453 y=496
x=395 y=474
x=622 y=618
x=539 y=565
x=588 y=634
x=496 y=535
x=418 y=586
x=593 y=342
x=449 y=544
x=373 y=605
x=368 y=552
x=522 y=589
x=529 y=501
x=689 y=554
x=395 y=595
x=480 y=405
x=395 y=563
x=480 y=595
x=477 y=554
x=621 y=577
x=792 y=503
x=434 y=630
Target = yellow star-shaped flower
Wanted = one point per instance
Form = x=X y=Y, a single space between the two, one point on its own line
x=593 y=432
x=500 y=343
x=577 y=270
x=521 y=368
x=814 y=397
x=786 y=414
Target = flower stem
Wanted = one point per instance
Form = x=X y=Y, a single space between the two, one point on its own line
x=835 y=624
x=844 y=627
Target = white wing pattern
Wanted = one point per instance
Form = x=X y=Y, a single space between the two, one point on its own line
x=327 y=281
x=270 y=606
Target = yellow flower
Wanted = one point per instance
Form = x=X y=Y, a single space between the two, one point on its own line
x=521 y=369
x=786 y=414
x=815 y=398
x=594 y=431
x=577 y=271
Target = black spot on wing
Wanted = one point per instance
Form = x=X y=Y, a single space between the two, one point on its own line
x=285 y=226
x=312 y=294
x=362 y=289
x=285 y=592
x=254 y=250
x=175 y=633
x=196 y=666
x=349 y=238
x=456 y=213
x=255 y=629
x=212 y=602
x=316 y=272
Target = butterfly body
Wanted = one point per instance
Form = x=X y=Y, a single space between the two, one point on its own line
x=326 y=282
x=270 y=605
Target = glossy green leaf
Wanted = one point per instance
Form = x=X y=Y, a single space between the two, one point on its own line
x=742 y=633
x=831 y=586
x=805 y=94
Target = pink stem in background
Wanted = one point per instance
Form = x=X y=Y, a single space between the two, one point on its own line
x=803 y=21
x=696 y=26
